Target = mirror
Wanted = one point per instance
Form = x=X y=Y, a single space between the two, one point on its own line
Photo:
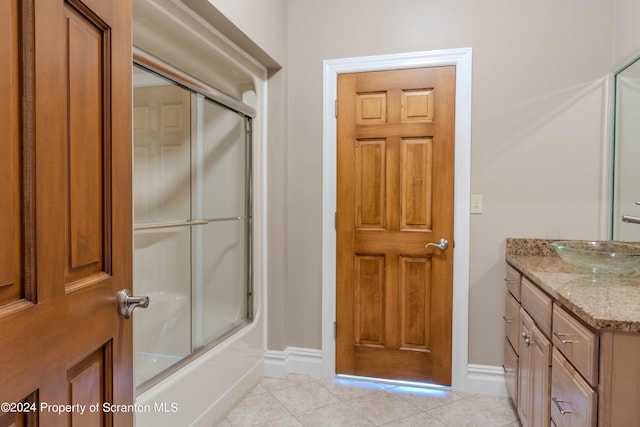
x=625 y=224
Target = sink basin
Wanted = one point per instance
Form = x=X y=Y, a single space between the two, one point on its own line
x=607 y=258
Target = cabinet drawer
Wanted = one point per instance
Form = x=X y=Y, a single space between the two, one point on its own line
x=573 y=402
x=511 y=319
x=511 y=371
x=577 y=343
x=513 y=281
x=538 y=305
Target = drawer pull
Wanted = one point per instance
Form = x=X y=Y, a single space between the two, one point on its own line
x=558 y=402
x=507 y=319
x=510 y=280
x=561 y=338
x=527 y=339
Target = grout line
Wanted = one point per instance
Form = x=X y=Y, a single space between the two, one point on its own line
x=400 y=391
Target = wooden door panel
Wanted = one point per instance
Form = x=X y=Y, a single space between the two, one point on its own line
x=370 y=169
x=88 y=385
x=371 y=108
x=369 y=289
x=88 y=146
x=24 y=417
x=416 y=182
x=415 y=299
x=417 y=105
x=67 y=180
x=395 y=160
x=10 y=250
x=9 y=215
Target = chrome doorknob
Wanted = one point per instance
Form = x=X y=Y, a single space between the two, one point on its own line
x=127 y=303
x=442 y=244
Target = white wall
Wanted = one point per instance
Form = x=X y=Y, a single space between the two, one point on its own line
x=539 y=98
x=263 y=21
x=627 y=30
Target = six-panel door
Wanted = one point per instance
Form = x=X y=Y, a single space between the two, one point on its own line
x=395 y=195
x=65 y=216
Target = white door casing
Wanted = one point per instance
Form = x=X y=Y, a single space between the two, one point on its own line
x=462 y=59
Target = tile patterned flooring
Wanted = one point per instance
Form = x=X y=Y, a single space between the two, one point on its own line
x=300 y=400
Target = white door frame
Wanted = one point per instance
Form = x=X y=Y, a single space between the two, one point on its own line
x=461 y=58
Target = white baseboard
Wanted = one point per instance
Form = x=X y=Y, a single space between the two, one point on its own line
x=485 y=379
x=293 y=360
x=482 y=379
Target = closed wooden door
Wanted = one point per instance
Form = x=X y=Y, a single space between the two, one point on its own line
x=395 y=196
x=65 y=212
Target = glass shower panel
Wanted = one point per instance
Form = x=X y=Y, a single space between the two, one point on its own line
x=221 y=182
x=626 y=178
x=222 y=298
x=223 y=161
x=192 y=223
x=162 y=202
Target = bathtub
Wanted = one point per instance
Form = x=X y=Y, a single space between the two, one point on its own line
x=201 y=392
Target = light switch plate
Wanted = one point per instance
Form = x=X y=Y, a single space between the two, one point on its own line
x=476 y=203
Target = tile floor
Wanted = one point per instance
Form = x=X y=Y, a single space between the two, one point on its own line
x=300 y=400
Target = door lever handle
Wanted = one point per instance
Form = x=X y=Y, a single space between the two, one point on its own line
x=442 y=244
x=127 y=303
x=631 y=219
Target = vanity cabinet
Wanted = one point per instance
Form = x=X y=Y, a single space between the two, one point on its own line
x=560 y=370
x=554 y=352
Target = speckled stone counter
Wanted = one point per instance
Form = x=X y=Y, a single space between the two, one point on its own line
x=613 y=304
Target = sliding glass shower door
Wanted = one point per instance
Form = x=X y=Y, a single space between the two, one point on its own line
x=192 y=215
x=221 y=197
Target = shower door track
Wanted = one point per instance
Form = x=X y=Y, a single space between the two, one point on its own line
x=157 y=66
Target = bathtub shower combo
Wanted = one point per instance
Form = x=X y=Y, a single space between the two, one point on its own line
x=192 y=220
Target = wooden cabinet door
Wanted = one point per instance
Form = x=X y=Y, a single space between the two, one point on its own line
x=535 y=374
x=395 y=195
x=526 y=373
x=65 y=216
x=512 y=320
x=541 y=366
x=510 y=367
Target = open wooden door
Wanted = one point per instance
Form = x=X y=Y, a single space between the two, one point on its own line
x=395 y=224
x=65 y=212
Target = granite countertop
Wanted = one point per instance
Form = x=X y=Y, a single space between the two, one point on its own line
x=611 y=305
